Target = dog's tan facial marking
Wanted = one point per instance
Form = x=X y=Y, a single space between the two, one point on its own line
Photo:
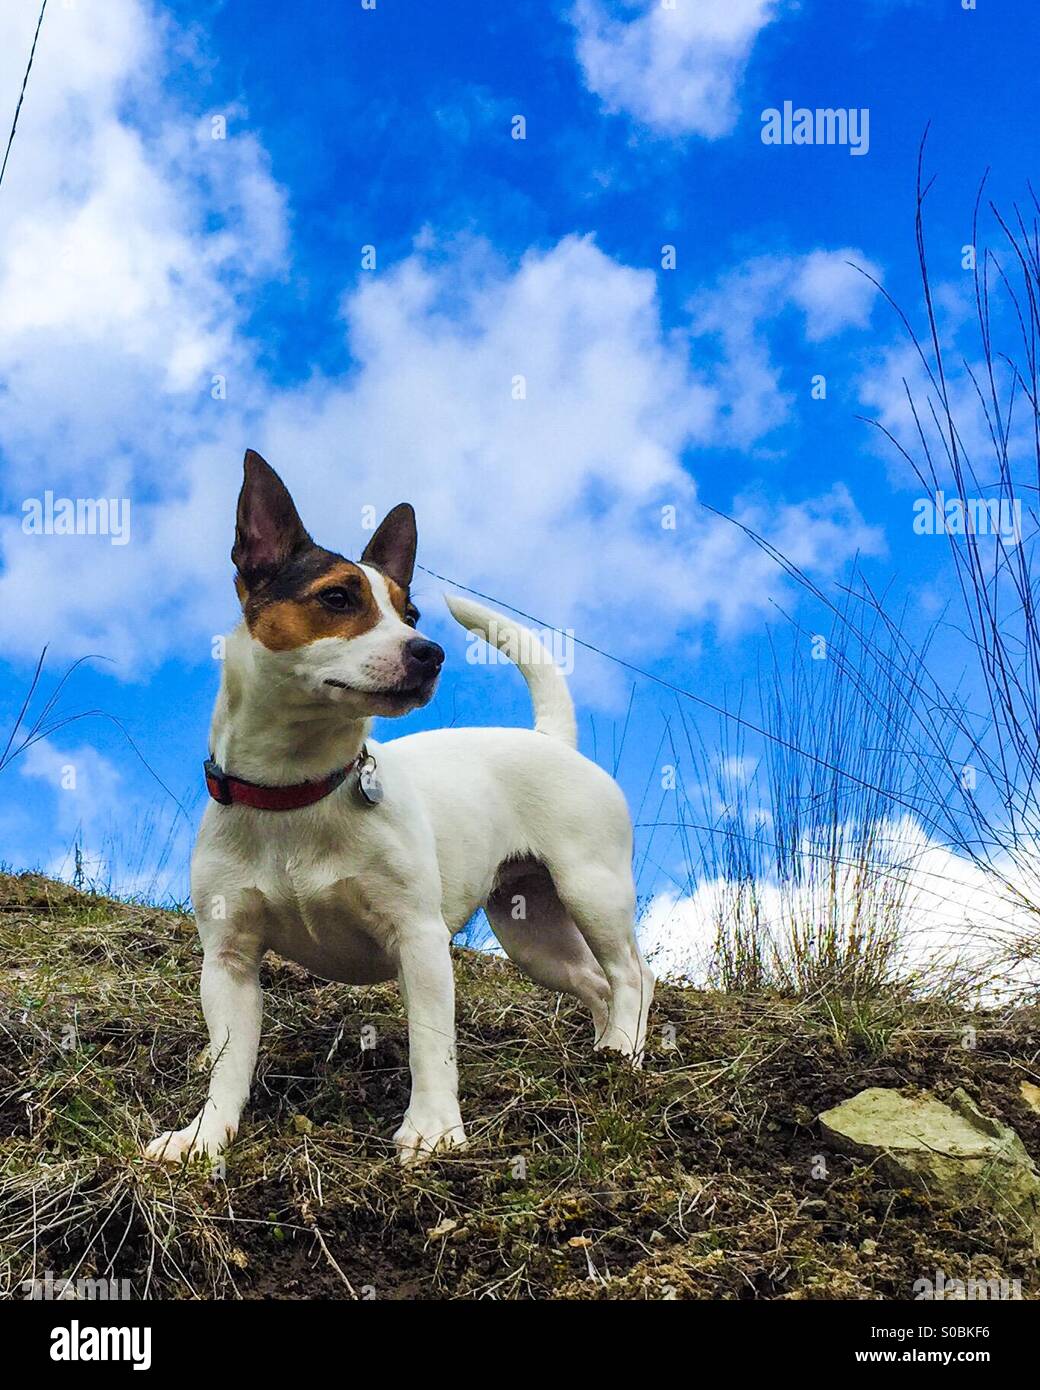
x=283 y=626
x=345 y=574
x=402 y=604
x=397 y=595
x=326 y=596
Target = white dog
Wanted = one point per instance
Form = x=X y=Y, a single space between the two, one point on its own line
x=359 y=860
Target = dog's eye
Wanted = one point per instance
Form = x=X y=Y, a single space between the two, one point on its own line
x=411 y=615
x=337 y=598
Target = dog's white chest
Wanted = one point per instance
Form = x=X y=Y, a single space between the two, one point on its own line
x=329 y=929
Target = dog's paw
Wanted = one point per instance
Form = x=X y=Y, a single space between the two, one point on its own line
x=424 y=1133
x=195 y=1142
x=613 y=1040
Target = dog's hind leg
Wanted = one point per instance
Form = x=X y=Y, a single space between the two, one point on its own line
x=600 y=899
x=536 y=933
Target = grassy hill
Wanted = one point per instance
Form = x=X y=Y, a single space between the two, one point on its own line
x=701 y=1177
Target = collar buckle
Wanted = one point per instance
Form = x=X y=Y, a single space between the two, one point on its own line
x=217 y=782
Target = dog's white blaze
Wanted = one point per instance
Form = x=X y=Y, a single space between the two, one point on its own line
x=381 y=594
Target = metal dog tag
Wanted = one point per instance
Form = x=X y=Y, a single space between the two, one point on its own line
x=369 y=784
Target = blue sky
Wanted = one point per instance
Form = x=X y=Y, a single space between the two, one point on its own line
x=142 y=260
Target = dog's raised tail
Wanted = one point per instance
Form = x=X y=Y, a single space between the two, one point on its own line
x=553 y=706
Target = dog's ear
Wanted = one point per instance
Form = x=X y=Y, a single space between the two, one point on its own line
x=268 y=529
x=392 y=548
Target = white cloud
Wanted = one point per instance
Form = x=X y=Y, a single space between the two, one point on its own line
x=956 y=918
x=86 y=783
x=122 y=241
x=834 y=291
x=130 y=244
x=674 y=68
x=553 y=501
x=830 y=291
x=104 y=832
x=902 y=390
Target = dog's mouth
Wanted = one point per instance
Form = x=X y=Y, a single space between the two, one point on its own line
x=391 y=695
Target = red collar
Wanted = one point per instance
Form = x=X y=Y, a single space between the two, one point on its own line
x=228 y=790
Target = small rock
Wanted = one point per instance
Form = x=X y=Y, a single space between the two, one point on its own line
x=1030 y=1094
x=442 y=1229
x=953 y=1152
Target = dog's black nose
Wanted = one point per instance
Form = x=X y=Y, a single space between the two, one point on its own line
x=427 y=655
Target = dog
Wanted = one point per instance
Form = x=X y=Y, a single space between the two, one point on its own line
x=360 y=860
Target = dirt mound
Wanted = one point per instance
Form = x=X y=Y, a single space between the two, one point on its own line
x=704 y=1176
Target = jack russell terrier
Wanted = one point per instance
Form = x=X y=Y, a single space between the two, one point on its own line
x=360 y=860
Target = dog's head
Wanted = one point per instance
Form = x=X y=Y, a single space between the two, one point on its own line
x=339 y=631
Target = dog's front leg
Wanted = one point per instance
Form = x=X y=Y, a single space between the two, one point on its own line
x=231 y=1002
x=432 y=1120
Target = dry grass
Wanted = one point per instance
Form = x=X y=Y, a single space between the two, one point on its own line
x=698 y=1178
